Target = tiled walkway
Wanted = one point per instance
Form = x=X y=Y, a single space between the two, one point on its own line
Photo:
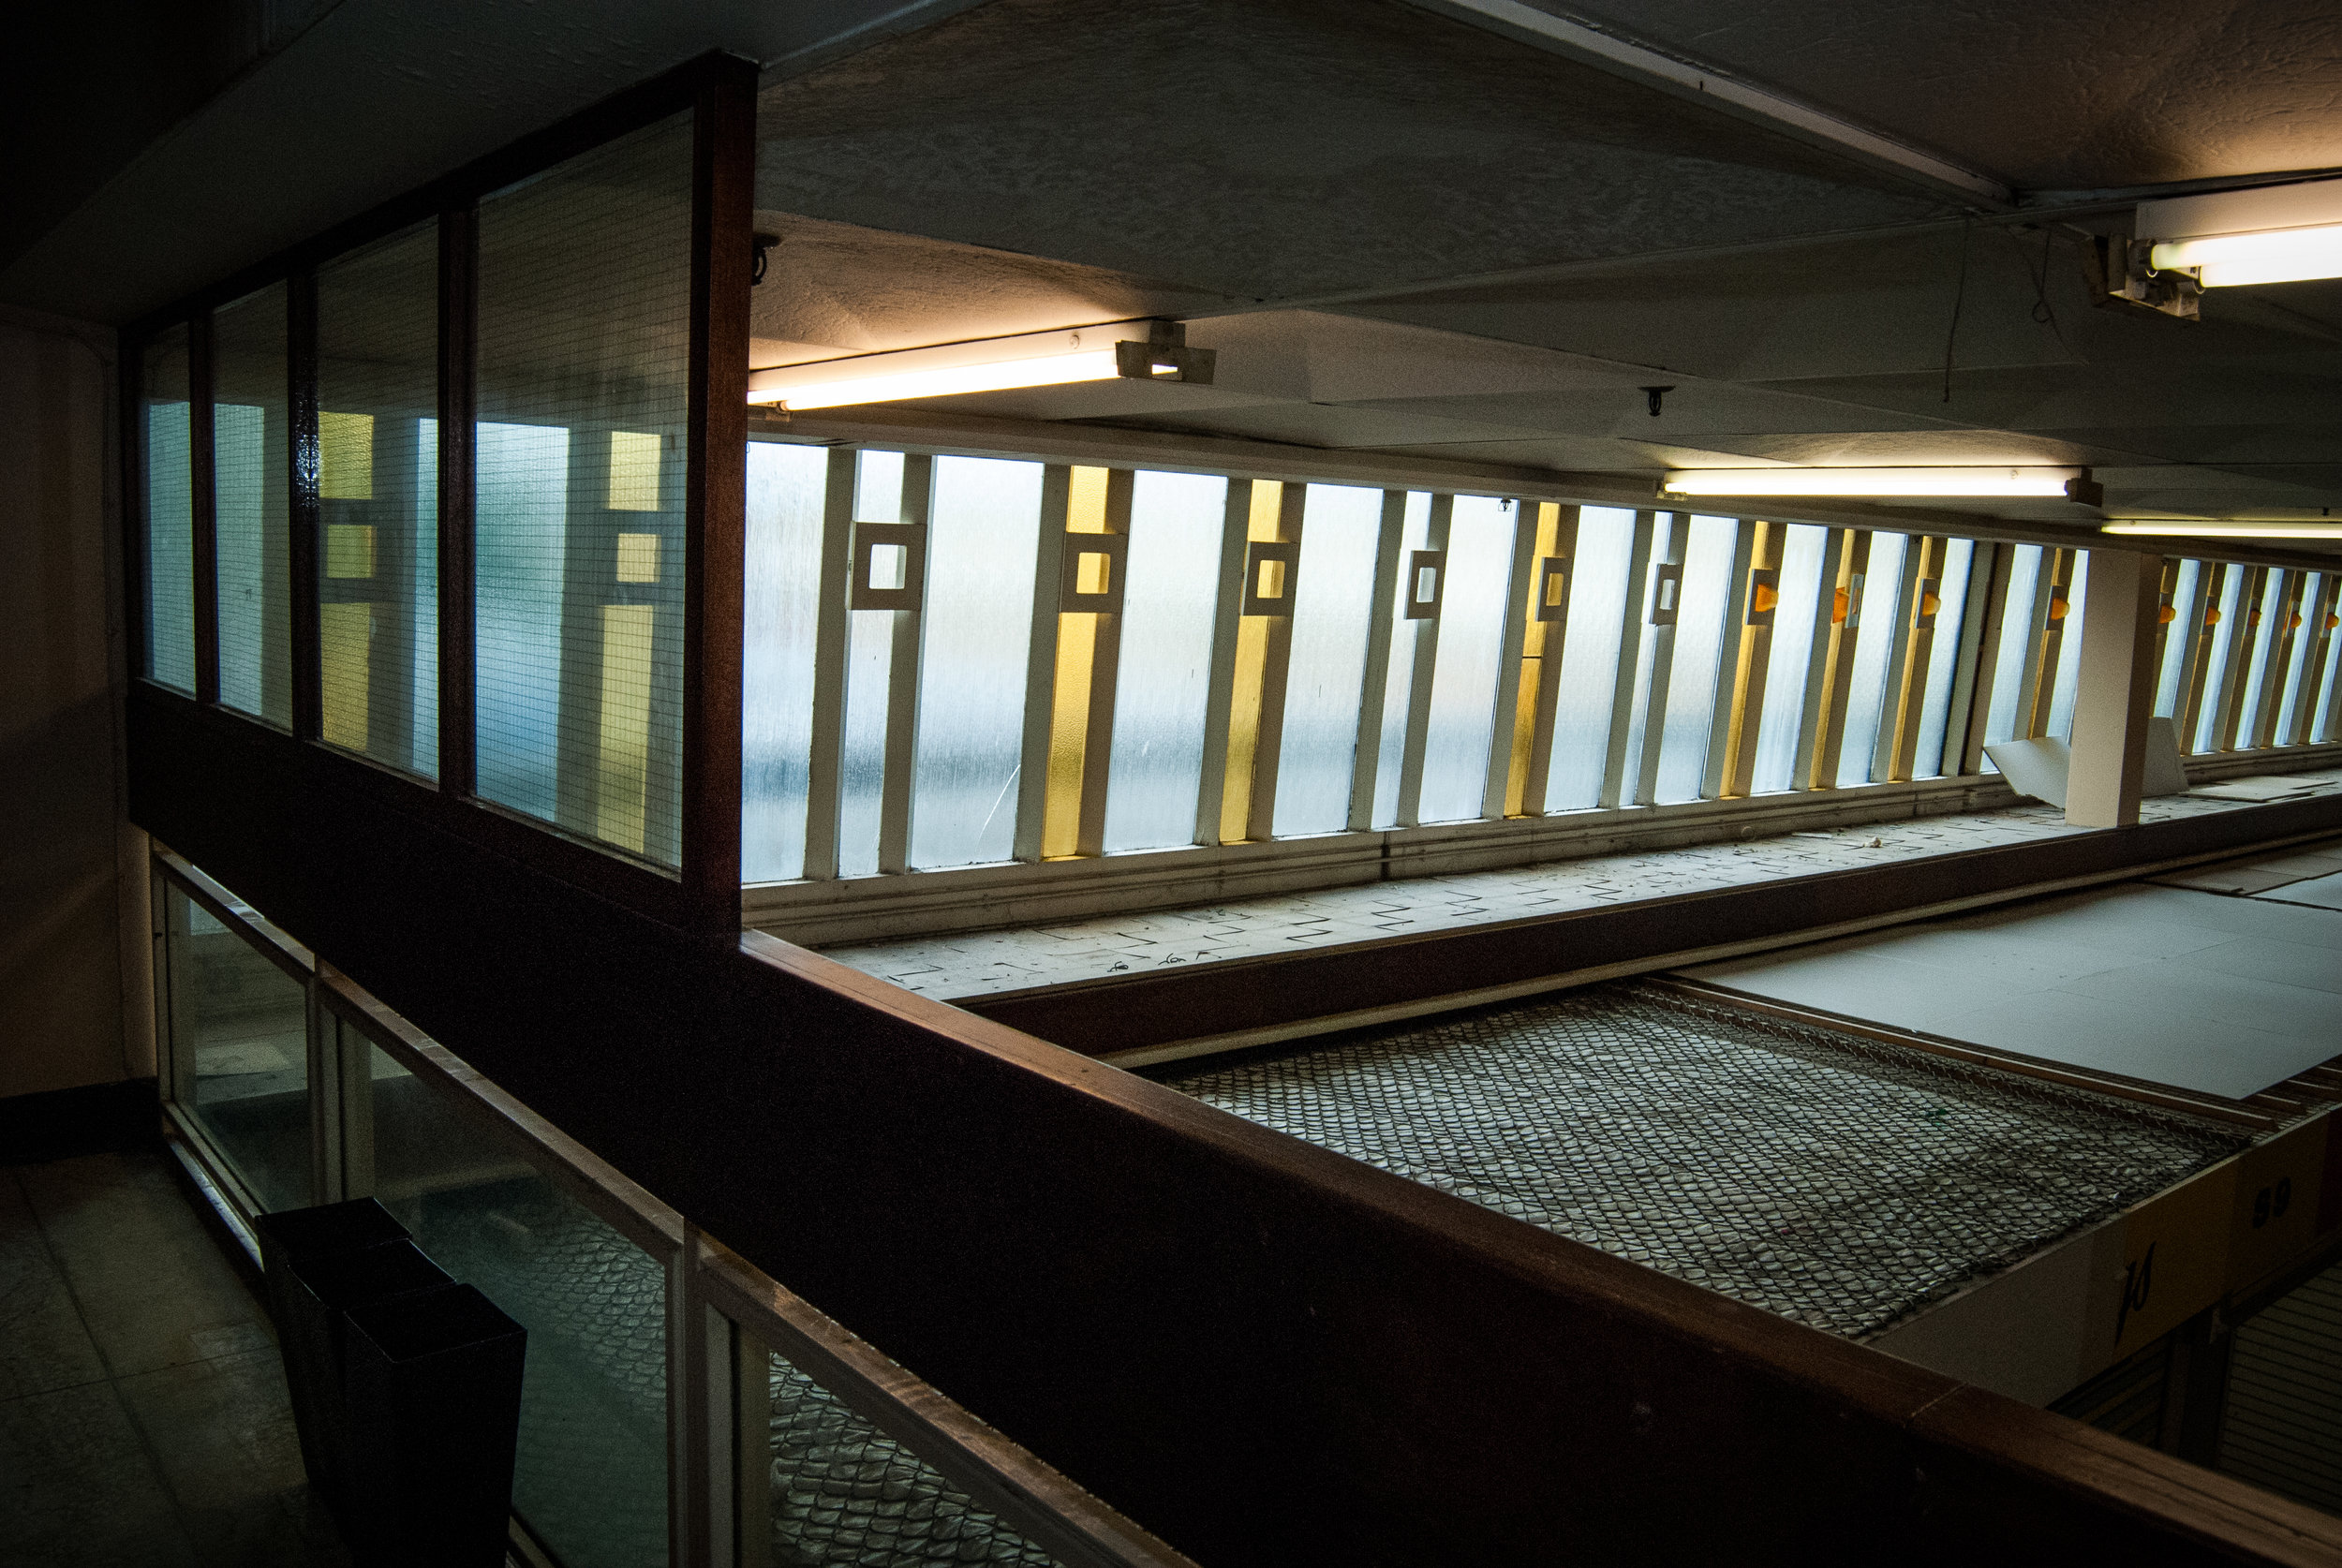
x=143 y=1418
x=993 y=962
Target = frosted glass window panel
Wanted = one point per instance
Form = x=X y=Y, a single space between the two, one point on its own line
x=239 y=1051
x=2016 y=634
x=2329 y=719
x=787 y=491
x=2179 y=639
x=585 y=317
x=1699 y=646
x=1398 y=676
x=2297 y=660
x=1170 y=593
x=983 y=536
x=378 y=499
x=1943 y=658
x=1332 y=611
x=167 y=515
x=1596 y=631
x=861 y=754
x=523 y=481
x=252 y=478
x=1874 y=648
x=1471 y=645
x=2061 y=721
x=590 y=1474
x=878 y=491
x=1792 y=656
x=2270 y=630
x=2215 y=661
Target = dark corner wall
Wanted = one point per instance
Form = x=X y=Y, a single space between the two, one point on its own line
x=73 y=954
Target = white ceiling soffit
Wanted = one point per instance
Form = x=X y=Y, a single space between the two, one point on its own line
x=379 y=97
x=1703 y=83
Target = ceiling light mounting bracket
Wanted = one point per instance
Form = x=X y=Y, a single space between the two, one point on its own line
x=2122 y=277
x=1165 y=356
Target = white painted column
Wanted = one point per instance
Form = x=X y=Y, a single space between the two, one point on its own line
x=2114 y=688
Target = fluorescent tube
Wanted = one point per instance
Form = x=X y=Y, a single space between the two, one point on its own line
x=2163 y=528
x=2271 y=255
x=2056 y=483
x=1126 y=350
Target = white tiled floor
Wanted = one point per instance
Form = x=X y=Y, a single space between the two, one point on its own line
x=990 y=963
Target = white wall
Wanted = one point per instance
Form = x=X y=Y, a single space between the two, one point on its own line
x=70 y=959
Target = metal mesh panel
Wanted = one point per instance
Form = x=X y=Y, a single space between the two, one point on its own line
x=1836 y=1181
x=252 y=474
x=845 y=1492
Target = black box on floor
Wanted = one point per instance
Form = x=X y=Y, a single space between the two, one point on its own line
x=433 y=1383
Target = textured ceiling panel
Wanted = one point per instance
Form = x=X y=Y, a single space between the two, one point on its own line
x=1279 y=148
x=2041 y=93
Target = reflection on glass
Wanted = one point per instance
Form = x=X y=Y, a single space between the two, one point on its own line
x=786 y=489
x=1471 y=645
x=592 y=1476
x=2061 y=722
x=1164 y=665
x=1943 y=660
x=983 y=535
x=2178 y=638
x=1691 y=672
x=168 y=517
x=844 y=1492
x=1874 y=651
x=1790 y=658
x=1597 y=616
x=239 y=1051
x=2215 y=661
x=1330 y=616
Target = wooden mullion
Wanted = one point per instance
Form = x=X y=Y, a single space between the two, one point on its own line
x=1374 y=681
x=2243 y=644
x=203 y=508
x=898 y=777
x=1745 y=716
x=1425 y=670
x=1105 y=661
x=1631 y=634
x=1551 y=647
x=2211 y=585
x=2036 y=645
x=1662 y=639
x=723 y=201
x=1276 y=664
x=1845 y=642
x=826 y=747
x=1727 y=725
x=305 y=519
x=1821 y=663
x=1979 y=636
x=2279 y=654
x=1220 y=680
x=1505 y=737
x=2314 y=662
x=459 y=314
x=1032 y=777
x=1898 y=741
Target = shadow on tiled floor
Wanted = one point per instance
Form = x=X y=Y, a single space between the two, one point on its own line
x=143 y=1418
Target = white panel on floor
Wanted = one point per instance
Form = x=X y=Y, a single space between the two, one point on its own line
x=2217 y=995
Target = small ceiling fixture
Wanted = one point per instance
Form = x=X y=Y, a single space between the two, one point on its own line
x=1144 y=350
x=2067 y=484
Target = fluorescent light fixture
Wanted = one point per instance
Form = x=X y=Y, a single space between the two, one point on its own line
x=2221 y=527
x=1120 y=350
x=2274 y=255
x=2268 y=234
x=2052 y=483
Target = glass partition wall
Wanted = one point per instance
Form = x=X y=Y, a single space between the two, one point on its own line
x=286 y=1085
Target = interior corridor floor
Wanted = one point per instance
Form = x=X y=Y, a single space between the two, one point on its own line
x=143 y=1418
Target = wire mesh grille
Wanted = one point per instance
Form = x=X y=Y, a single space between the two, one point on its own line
x=845 y=1492
x=1837 y=1181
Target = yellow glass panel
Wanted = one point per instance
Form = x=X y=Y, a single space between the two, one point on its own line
x=349 y=551
x=1252 y=659
x=345 y=456
x=623 y=774
x=1069 y=735
x=1269 y=497
x=345 y=639
x=1086 y=502
x=634 y=471
x=1272 y=580
x=638 y=557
